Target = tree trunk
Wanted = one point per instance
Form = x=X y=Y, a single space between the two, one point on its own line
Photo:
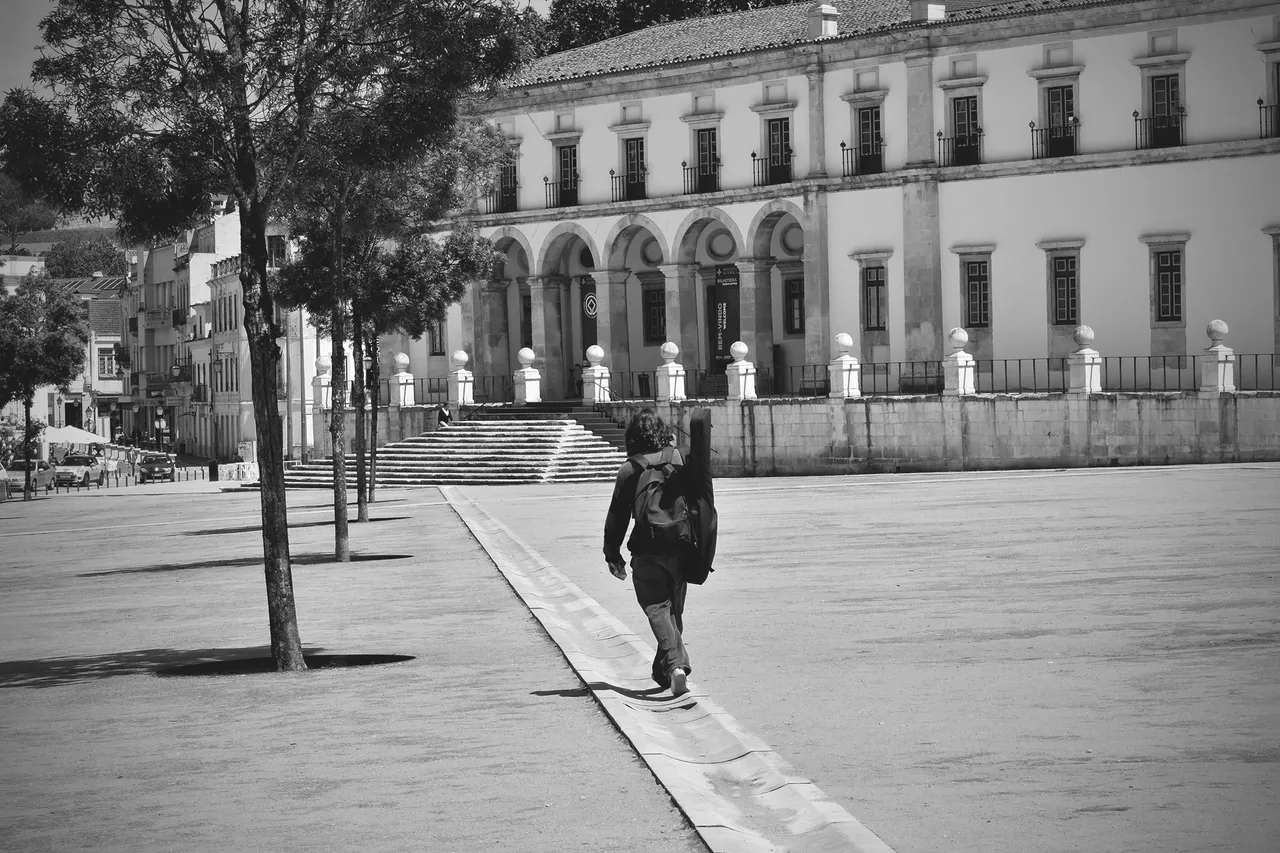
x=338 y=389
x=264 y=357
x=358 y=403
x=376 y=372
x=27 y=492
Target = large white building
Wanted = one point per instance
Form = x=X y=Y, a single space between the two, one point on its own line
x=890 y=170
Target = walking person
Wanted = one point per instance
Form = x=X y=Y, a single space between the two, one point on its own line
x=661 y=563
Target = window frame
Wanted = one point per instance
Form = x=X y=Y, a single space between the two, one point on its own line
x=875 y=275
x=975 y=255
x=1157 y=245
x=109 y=354
x=793 y=306
x=653 y=326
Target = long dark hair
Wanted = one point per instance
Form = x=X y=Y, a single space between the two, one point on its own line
x=646 y=433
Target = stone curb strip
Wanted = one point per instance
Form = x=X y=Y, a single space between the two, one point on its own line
x=739 y=794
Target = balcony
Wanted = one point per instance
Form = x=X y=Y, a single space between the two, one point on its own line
x=964 y=149
x=504 y=199
x=702 y=178
x=866 y=159
x=179 y=318
x=133 y=326
x=628 y=187
x=562 y=192
x=1056 y=140
x=1164 y=131
x=200 y=394
x=771 y=170
x=158 y=316
x=1268 y=120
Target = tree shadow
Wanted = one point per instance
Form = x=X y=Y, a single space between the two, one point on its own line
x=242 y=562
x=55 y=672
x=257 y=528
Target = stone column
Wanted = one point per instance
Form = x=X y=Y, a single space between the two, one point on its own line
x=740 y=373
x=670 y=375
x=595 y=378
x=461 y=381
x=401 y=382
x=921 y=271
x=682 y=310
x=817 y=125
x=1217 y=365
x=494 y=331
x=844 y=373
x=1084 y=366
x=921 y=143
x=755 y=293
x=527 y=380
x=470 y=306
x=957 y=368
x=817 y=291
x=612 y=331
x=548 y=337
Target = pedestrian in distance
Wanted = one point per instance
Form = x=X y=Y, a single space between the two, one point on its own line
x=673 y=540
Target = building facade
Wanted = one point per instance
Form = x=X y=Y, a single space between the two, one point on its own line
x=891 y=171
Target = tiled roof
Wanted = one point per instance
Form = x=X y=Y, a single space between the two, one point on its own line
x=741 y=32
x=101 y=285
x=105 y=317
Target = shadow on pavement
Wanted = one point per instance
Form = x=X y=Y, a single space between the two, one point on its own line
x=257 y=528
x=252 y=666
x=54 y=672
x=576 y=692
x=238 y=562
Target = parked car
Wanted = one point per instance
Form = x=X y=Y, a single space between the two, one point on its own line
x=41 y=475
x=156 y=466
x=78 y=468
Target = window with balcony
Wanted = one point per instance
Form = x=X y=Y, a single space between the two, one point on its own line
x=961 y=143
x=1269 y=108
x=1161 y=122
x=505 y=198
x=563 y=190
x=702 y=169
x=865 y=153
x=630 y=185
x=653 y=302
x=775 y=166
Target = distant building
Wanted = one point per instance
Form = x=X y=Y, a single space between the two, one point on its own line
x=891 y=170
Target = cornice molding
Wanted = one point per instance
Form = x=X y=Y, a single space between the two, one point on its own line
x=872 y=255
x=564 y=136
x=871 y=96
x=1165 y=239
x=974 y=248
x=631 y=126
x=779 y=107
x=1057 y=71
x=702 y=118
x=1161 y=60
x=1060 y=245
x=963 y=82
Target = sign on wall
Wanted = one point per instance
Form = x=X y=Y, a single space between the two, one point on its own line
x=723 y=312
x=590 y=309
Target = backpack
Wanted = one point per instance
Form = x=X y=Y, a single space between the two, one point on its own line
x=660 y=510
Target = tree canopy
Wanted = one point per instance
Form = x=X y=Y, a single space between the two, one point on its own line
x=43 y=333
x=78 y=258
x=21 y=212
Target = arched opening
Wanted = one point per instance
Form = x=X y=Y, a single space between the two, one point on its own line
x=779 y=289
x=632 y=295
x=557 y=296
x=711 y=307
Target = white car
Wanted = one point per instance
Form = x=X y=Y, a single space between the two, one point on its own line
x=41 y=475
x=79 y=469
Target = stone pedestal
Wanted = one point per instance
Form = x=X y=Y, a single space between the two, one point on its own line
x=957 y=368
x=1084 y=366
x=527 y=380
x=401 y=382
x=322 y=384
x=595 y=377
x=670 y=374
x=740 y=373
x=1218 y=364
x=844 y=372
x=461 y=382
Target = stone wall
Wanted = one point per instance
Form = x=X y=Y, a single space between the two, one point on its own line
x=985 y=432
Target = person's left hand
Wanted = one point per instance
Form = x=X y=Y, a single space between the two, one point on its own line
x=618 y=569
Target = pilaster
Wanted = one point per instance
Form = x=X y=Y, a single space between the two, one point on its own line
x=921 y=150
x=548 y=337
x=612 y=330
x=756 y=308
x=817 y=290
x=817 y=124
x=682 y=310
x=922 y=271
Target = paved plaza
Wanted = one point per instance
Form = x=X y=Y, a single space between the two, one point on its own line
x=1028 y=661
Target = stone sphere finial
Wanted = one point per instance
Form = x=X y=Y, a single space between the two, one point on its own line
x=401 y=362
x=459 y=359
x=323 y=365
x=1083 y=336
x=669 y=352
x=738 y=350
x=1217 y=331
x=595 y=355
x=844 y=343
x=958 y=338
x=526 y=357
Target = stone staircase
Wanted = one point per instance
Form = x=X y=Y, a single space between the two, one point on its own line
x=506 y=445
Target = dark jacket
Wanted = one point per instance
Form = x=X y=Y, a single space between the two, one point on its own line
x=621 y=506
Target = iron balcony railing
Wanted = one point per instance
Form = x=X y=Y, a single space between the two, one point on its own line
x=771 y=169
x=1163 y=131
x=1056 y=140
x=179 y=317
x=701 y=178
x=562 y=192
x=1268 y=120
x=629 y=186
x=861 y=159
x=430 y=389
x=503 y=199
x=961 y=150
x=200 y=394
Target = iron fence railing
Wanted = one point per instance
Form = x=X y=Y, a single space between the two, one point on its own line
x=1019 y=375
x=1268 y=120
x=1149 y=373
x=562 y=192
x=701 y=178
x=635 y=384
x=772 y=168
x=862 y=159
x=964 y=149
x=1056 y=140
x=503 y=199
x=1163 y=131
x=429 y=390
x=1257 y=372
x=494 y=389
x=629 y=186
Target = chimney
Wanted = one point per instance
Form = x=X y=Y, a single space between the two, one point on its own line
x=824 y=21
x=928 y=10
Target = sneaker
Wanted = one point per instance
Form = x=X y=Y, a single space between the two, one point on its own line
x=678 y=685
